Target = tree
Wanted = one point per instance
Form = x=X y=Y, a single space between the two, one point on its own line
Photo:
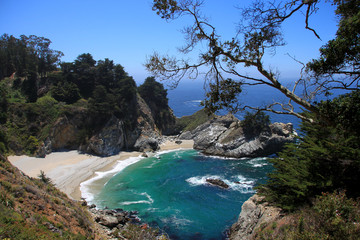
x=83 y=74
x=153 y=91
x=254 y=123
x=339 y=60
x=260 y=34
x=65 y=92
x=27 y=55
x=324 y=160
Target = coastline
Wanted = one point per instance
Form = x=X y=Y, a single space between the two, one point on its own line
x=69 y=169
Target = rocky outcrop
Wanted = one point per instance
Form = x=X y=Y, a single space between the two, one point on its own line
x=64 y=133
x=120 y=224
x=254 y=214
x=224 y=136
x=110 y=140
x=146 y=143
x=217 y=182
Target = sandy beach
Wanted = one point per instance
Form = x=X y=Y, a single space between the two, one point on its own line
x=69 y=169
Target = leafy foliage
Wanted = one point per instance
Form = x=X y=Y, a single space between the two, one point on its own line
x=32 y=100
x=222 y=95
x=153 y=91
x=27 y=55
x=254 y=123
x=66 y=92
x=340 y=56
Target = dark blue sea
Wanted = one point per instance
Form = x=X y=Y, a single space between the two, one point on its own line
x=169 y=190
x=186 y=98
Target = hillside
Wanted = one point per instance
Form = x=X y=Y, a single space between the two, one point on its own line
x=35 y=209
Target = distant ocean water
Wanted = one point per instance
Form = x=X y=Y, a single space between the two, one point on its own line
x=186 y=98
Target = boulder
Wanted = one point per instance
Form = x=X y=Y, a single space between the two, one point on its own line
x=107 y=221
x=145 y=143
x=110 y=140
x=217 y=182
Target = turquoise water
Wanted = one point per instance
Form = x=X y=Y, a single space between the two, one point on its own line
x=169 y=191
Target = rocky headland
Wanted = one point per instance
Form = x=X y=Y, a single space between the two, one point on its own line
x=224 y=136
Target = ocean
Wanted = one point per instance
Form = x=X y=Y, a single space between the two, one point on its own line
x=186 y=98
x=169 y=190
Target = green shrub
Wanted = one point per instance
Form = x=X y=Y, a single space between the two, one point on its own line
x=254 y=123
x=32 y=144
x=338 y=215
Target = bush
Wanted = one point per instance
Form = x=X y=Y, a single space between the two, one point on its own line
x=32 y=144
x=338 y=215
x=66 y=92
x=254 y=123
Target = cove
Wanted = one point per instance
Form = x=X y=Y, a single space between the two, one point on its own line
x=169 y=190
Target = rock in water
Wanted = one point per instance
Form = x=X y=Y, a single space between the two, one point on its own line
x=217 y=182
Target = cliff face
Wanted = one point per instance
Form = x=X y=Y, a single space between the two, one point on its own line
x=224 y=136
x=141 y=133
x=254 y=214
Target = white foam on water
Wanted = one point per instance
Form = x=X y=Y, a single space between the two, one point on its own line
x=135 y=202
x=85 y=187
x=242 y=184
x=148 y=201
x=201 y=180
x=259 y=162
x=177 y=221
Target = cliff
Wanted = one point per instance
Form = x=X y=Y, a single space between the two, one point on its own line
x=224 y=136
x=73 y=130
x=254 y=215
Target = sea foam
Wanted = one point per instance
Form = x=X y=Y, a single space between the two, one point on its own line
x=88 y=189
x=242 y=184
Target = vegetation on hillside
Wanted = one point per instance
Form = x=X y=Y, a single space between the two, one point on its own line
x=36 y=89
x=35 y=209
x=155 y=95
x=189 y=123
x=333 y=216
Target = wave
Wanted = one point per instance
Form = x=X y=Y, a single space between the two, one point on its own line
x=193 y=101
x=148 y=201
x=241 y=184
x=86 y=187
x=259 y=162
x=177 y=221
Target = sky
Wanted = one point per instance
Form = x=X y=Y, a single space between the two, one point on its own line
x=129 y=31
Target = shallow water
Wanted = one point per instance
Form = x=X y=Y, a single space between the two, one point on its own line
x=170 y=191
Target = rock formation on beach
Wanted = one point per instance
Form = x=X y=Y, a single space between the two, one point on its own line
x=224 y=136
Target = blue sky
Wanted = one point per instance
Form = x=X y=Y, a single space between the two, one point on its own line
x=128 y=31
